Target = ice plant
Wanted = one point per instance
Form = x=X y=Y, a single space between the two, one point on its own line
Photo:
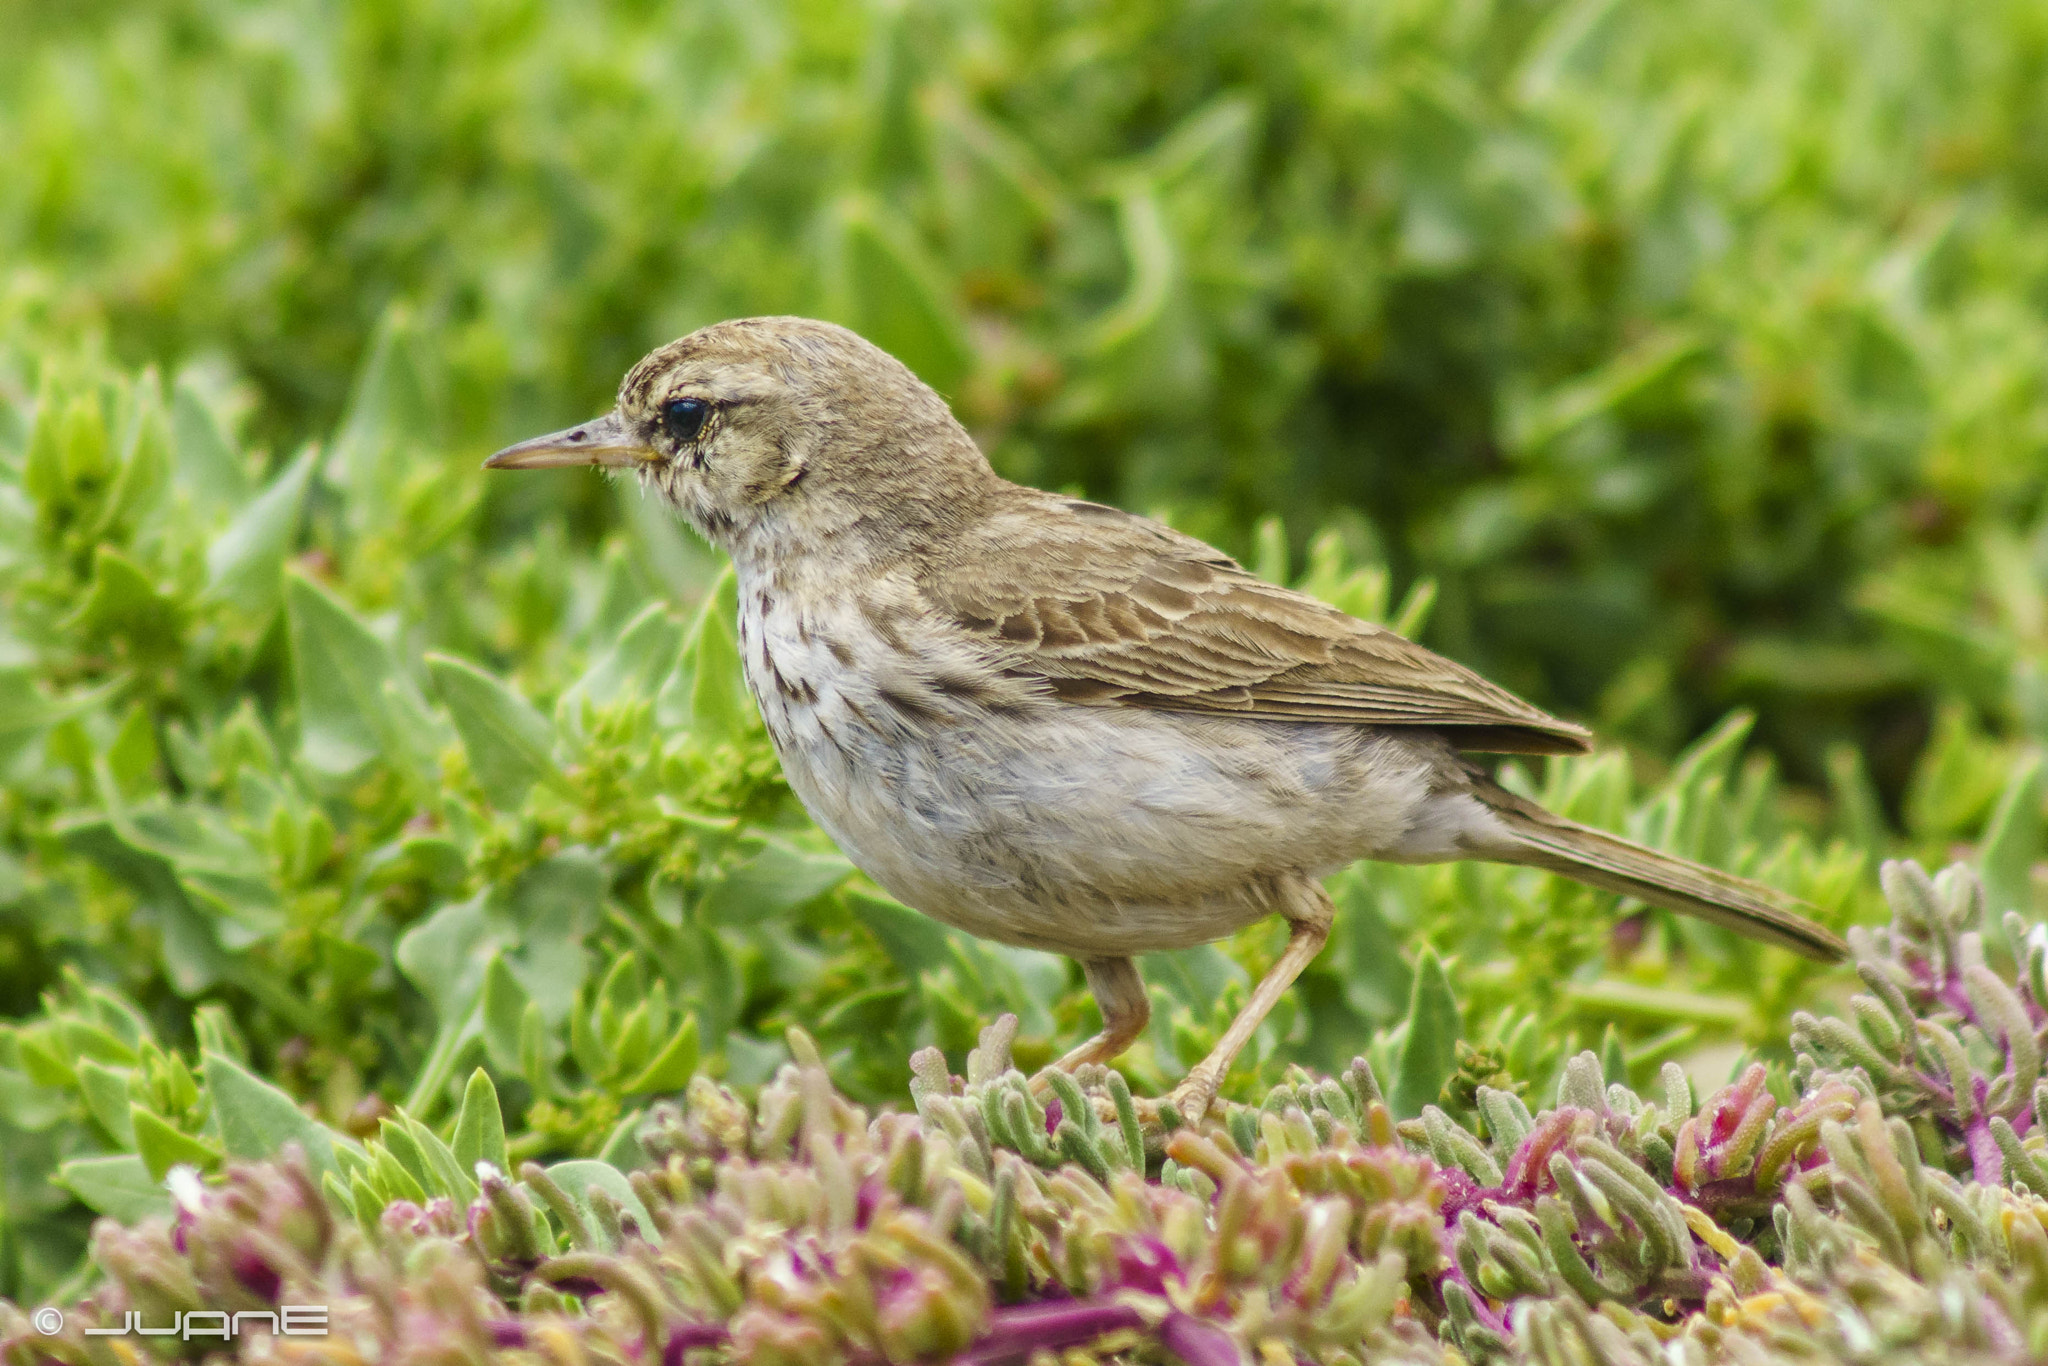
x=1877 y=1201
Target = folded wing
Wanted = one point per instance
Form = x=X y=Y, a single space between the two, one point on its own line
x=1110 y=609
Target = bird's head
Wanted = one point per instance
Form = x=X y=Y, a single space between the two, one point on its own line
x=780 y=429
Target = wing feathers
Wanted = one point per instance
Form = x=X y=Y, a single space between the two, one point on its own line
x=1108 y=609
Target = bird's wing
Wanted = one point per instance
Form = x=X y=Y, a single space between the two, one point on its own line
x=1109 y=609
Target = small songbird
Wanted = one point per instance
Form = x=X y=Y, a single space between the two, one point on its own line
x=1056 y=724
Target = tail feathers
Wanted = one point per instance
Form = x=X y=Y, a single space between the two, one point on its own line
x=1598 y=859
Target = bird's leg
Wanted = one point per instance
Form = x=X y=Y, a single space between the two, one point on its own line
x=1120 y=995
x=1309 y=912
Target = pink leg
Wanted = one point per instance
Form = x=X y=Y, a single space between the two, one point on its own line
x=1308 y=910
x=1125 y=1010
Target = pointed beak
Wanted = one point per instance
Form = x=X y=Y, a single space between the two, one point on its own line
x=604 y=441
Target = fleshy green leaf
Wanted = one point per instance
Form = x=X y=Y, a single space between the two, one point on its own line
x=720 y=710
x=162 y=1147
x=1377 y=978
x=444 y=956
x=391 y=412
x=132 y=757
x=622 y=1149
x=25 y=713
x=913 y=942
x=396 y=1137
x=256 y=1119
x=504 y=1007
x=125 y=604
x=207 y=465
x=1429 y=1049
x=245 y=564
x=637 y=664
x=106 y=1095
x=349 y=690
x=776 y=878
x=118 y=1187
x=446 y=1174
x=670 y=1069
x=480 y=1126
x=2012 y=842
x=509 y=743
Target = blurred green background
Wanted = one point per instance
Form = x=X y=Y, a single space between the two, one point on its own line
x=1696 y=352
x=1681 y=367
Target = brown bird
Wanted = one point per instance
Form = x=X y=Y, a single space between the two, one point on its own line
x=1056 y=724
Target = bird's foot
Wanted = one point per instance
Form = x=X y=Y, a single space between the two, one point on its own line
x=1190 y=1101
x=1187 y=1104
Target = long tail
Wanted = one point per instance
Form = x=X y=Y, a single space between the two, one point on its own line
x=1598 y=859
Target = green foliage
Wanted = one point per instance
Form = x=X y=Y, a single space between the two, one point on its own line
x=1686 y=348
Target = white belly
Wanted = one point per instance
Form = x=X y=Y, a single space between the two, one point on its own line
x=1087 y=830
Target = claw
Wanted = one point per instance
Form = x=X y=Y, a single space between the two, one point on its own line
x=1194 y=1096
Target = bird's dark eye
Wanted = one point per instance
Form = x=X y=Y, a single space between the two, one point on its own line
x=683 y=418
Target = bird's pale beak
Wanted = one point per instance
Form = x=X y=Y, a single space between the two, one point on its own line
x=603 y=441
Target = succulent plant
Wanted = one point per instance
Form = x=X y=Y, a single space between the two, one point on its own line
x=1874 y=1201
